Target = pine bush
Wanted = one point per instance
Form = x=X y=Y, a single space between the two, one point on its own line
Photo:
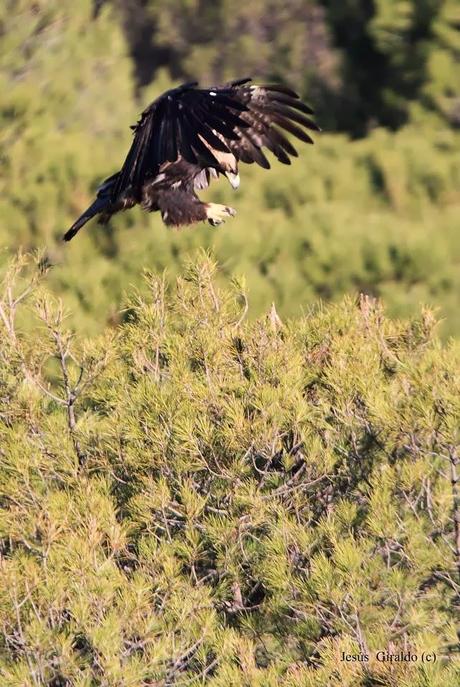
x=198 y=499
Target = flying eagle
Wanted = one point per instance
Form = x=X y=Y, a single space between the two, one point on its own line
x=191 y=135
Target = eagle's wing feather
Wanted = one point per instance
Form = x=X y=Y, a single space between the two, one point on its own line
x=202 y=128
x=141 y=149
x=196 y=124
x=248 y=148
x=271 y=109
x=227 y=128
x=200 y=150
x=175 y=125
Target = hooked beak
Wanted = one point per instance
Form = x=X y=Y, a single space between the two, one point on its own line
x=234 y=179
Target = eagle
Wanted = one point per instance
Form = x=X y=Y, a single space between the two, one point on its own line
x=189 y=136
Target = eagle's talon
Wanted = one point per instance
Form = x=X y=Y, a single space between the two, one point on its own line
x=217 y=214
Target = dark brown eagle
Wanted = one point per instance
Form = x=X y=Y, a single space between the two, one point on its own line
x=191 y=135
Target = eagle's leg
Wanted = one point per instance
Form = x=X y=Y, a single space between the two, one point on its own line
x=217 y=214
x=180 y=207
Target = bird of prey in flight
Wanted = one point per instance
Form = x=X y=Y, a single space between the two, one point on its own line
x=189 y=136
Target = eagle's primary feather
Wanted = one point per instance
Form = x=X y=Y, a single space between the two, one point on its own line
x=190 y=135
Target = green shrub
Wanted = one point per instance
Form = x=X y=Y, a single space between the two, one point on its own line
x=197 y=499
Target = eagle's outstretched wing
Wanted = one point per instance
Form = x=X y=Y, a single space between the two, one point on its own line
x=196 y=123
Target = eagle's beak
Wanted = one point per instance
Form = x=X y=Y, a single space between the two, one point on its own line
x=234 y=179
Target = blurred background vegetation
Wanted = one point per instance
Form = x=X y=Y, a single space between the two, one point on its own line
x=372 y=207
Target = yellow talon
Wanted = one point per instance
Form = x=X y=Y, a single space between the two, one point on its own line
x=217 y=214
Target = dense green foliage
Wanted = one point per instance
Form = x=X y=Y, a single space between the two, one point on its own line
x=377 y=215
x=200 y=500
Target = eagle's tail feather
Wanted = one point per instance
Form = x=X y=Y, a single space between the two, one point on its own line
x=94 y=209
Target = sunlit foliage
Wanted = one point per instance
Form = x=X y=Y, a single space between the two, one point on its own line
x=199 y=500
